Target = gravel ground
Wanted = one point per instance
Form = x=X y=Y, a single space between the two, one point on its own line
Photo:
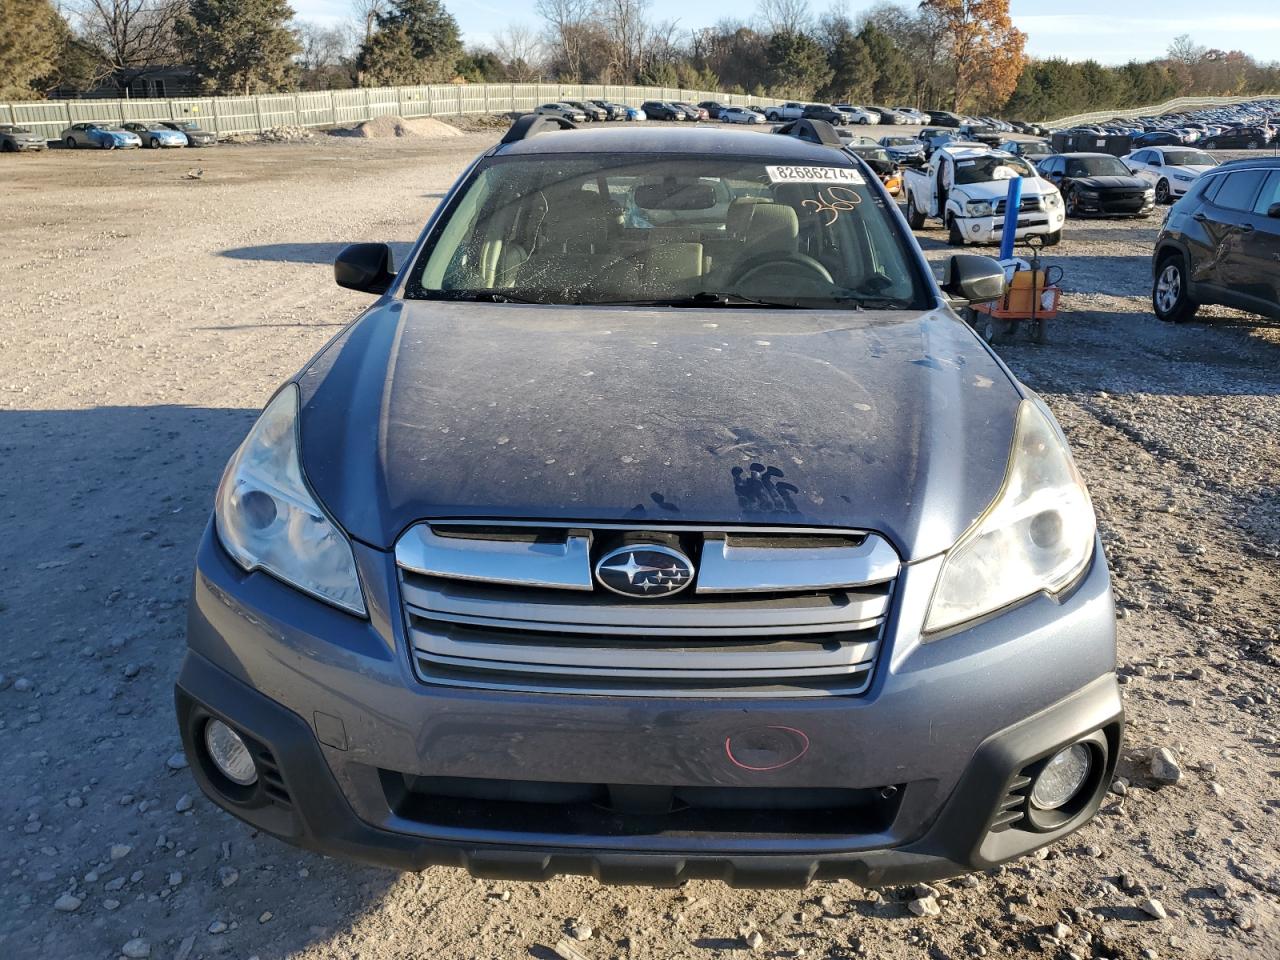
x=145 y=316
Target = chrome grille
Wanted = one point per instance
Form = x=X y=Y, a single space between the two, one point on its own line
x=771 y=612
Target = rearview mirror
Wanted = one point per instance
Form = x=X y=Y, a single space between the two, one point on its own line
x=1274 y=211
x=367 y=267
x=974 y=279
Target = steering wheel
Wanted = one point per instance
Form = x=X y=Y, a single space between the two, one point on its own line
x=795 y=265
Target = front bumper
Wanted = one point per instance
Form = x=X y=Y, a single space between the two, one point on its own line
x=1030 y=223
x=1100 y=205
x=339 y=725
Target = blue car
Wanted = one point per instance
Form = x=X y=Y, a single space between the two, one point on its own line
x=105 y=136
x=156 y=135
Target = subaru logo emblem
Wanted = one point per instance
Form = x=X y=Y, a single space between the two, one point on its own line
x=644 y=570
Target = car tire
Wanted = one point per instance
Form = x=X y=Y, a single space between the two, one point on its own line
x=1162 y=192
x=955 y=237
x=153 y=143
x=1053 y=239
x=1211 y=145
x=915 y=218
x=7 y=147
x=1169 y=297
x=1253 y=145
x=1072 y=203
x=70 y=143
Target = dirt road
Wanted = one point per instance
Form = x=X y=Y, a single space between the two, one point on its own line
x=145 y=317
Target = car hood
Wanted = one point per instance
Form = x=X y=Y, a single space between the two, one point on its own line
x=1110 y=183
x=896 y=422
x=1189 y=170
x=999 y=189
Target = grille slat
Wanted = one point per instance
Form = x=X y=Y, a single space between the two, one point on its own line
x=757 y=641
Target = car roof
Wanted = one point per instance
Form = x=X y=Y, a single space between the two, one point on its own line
x=681 y=140
x=1082 y=155
x=1247 y=163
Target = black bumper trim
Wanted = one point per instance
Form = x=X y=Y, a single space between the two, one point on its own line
x=321 y=819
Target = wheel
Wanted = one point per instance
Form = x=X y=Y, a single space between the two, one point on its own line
x=954 y=236
x=1162 y=191
x=1053 y=239
x=993 y=329
x=864 y=121
x=1169 y=294
x=1253 y=145
x=70 y=143
x=1073 y=203
x=1211 y=145
x=7 y=147
x=153 y=143
x=915 y=217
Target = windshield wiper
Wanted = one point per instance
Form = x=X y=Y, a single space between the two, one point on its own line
x=704 y=298
x=478 y=296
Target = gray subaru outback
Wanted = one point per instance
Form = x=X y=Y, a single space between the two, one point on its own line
x=658 y=520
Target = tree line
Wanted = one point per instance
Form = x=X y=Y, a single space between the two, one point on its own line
x=964 y=55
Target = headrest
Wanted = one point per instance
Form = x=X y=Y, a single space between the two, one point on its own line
x=773 y=228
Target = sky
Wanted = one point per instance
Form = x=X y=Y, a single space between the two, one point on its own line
x=1142 y=31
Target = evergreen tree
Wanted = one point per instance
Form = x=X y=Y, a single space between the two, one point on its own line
x=417 y=41
x=29 y=41
x=853 y=72
x=797 y=64
x=893 y=78
x=239 y=46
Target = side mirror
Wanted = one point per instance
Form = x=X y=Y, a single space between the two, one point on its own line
x=367 y=267
x=974 y=279
x=1273 y=211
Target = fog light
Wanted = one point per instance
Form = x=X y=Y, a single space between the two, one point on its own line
x=1062 y=777
x=229 y=754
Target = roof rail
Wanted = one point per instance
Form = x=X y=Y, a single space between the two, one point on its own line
x=533 y=124
x=812 y=131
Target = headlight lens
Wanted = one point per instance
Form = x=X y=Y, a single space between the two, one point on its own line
x=1053 y=200
x=978 y=208
x=1037 y=535
x=267 y=518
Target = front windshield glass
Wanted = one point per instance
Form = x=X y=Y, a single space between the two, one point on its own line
x=682 y=230
x=1097 y=167
x=900 y=142
x=1189 y=158
x=991 y=167
x=871 y=153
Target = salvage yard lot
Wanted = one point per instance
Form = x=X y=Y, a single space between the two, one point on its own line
x=146 y=314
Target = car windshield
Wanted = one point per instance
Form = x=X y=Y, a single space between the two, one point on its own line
x=871 y=153
x=669 y=230
x=900 y=142
x=1096 y=167
x=991 y=167
x=1189 y=158
x=6 y=128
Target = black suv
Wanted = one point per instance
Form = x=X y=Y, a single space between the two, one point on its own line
x=1221 y=243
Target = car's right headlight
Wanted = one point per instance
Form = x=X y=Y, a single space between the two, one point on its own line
x=268 y=519
x=1036 y=536
x=978 y=208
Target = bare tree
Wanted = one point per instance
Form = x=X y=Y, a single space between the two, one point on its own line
x=366 y=18
x=131 y=33
x=522 y=51
x=325 y=55
x=784 y=16
x=568 y=28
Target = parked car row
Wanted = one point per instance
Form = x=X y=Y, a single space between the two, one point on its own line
x=1240 y=126
x=589 y=111
x=111 y=136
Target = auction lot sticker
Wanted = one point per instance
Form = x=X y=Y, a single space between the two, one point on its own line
x=815 y=175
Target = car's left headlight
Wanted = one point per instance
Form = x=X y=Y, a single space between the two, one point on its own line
x=1036 y=536
x=1053 y=200
x=268 y=519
